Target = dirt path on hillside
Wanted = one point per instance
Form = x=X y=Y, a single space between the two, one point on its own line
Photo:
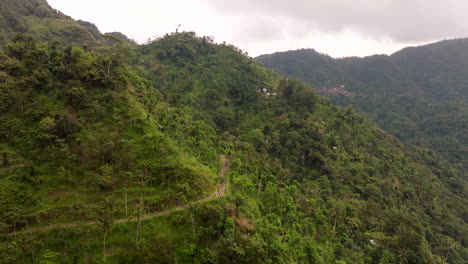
x=221 y=191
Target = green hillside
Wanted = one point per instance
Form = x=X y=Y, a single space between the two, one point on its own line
x=94 y=140
x=440 y=69
x=36 y=18
x=418 y=94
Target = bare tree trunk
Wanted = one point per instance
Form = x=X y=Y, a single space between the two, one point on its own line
x=5 y=162
x=193 y=225
x=104 y=248
x=108 y=68
x=84 y=190
x=126 y=206
x=85 y=252
x=138 y=226
x=334 y=225
x=139 y=209
x=259 y=184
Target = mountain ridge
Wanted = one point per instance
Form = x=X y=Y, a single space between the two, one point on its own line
x=395 y=90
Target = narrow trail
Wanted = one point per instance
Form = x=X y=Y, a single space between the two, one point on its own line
x=220 y=192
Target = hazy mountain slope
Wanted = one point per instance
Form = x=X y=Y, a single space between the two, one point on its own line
x=417 y=94
x=441 y=69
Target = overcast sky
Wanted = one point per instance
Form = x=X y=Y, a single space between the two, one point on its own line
x=336 y=27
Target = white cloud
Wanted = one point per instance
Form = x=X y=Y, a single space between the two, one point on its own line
x=400 y=20
x=339 y=28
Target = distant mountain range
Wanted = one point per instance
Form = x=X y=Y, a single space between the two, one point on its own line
x=419 y=94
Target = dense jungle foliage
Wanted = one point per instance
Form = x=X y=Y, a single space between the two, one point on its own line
x=418 y=94
x=117 y=130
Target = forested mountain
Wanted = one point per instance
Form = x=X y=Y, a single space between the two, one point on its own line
x=36 y=18
x=440 y=69
x=419 y=94
x=96 y=139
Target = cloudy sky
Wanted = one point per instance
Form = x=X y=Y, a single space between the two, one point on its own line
x=336 y=27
